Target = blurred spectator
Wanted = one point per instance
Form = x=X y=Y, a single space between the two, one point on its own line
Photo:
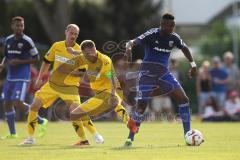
x=212 y=112
x=232 y=71
x=219 y=80
x=161 y=105
x=232 y=106
x=203 y=86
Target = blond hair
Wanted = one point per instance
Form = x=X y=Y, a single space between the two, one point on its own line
x=72 y=26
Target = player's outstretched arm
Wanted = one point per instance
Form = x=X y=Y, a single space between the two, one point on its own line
x=129 y=45
x=72 y=51
x=43 y=70
x=71 y=71
x=188 y=55
x=2 y=64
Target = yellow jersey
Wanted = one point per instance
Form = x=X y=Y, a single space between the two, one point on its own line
x=99 y=73
x=58 y=55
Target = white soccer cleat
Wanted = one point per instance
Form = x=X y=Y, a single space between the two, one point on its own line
x=98 y=138
x=28 y=141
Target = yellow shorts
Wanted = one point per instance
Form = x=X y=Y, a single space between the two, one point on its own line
x=98 y=105
x=49 y=92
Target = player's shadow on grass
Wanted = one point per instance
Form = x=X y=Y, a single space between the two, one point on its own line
x=63 y=147
x=146 y=147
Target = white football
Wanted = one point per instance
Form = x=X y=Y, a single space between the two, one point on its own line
x=194 y=137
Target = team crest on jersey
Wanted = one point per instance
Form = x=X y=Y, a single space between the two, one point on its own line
x=170 y=43
x=20 y=45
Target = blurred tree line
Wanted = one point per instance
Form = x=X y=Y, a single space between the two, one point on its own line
x=217 y=41
x=101 y=20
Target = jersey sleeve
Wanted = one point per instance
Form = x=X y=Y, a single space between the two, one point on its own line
x=146 y=37
x=178 y=42
x=111 y=74
x=108 y=69
x=32 y=48
x=50 y=55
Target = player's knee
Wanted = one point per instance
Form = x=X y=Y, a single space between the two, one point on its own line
x=73 y=107
x=75 y=112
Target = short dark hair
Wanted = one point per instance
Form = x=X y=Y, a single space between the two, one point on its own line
x=87 y=44
x=167 y=16
x=17 y=18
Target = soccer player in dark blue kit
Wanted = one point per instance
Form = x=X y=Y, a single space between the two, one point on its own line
x=155 y=77
x=20 y=52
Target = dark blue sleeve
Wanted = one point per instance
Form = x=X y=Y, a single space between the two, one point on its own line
x=178 y=42
x=146 y=37
x=32 y=48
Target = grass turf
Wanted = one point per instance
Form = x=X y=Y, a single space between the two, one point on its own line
x=155 y=141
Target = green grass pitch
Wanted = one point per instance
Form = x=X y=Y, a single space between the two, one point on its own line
x=155 y=141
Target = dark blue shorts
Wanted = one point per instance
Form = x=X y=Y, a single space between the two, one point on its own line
x=14 y=90
x=155 y=80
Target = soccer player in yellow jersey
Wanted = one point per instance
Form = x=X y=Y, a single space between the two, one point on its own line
x=60 y=85
x=100 y=72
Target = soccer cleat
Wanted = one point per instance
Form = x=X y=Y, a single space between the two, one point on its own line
x=128 y=143
x=43 y=128
x=98 y=138
x=81 y=143
x=28 y=141
x=132 y=126
x=10 y=136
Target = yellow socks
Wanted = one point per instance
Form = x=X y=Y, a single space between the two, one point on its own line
x=121 y=113
x=32 y=122
x=78 y=126
x=89 y=125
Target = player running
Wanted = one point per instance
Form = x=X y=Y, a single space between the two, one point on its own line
x=20 y=52
x=155 y=77
x=103 y=82
x=60 y=85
